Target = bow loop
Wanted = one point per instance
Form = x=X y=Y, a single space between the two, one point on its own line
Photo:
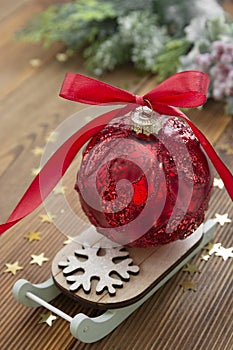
x=185 y=89
x=80 y=88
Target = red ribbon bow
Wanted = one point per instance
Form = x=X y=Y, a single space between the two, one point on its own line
x=186 y=89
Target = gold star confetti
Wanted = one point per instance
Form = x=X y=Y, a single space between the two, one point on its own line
x=37 y=151
x=218 y=183
x=13 y=268
x=212 y=247
x=222 y=219
x=225 y=253
x=69 y=240
x=48 y=318
x=191 y=269
x=33 y=236
x=52 y=137
x=205 y=257
x=38 y=259
x=35 y=171
x=188 y=285
x=61 y=57
x=59 y=189
x=47 y=218
x=35 y=62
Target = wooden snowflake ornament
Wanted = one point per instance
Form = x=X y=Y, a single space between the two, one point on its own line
x=99 y=263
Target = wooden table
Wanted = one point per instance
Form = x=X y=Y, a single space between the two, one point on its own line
x=31 y=109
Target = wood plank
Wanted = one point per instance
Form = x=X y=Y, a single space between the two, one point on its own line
x=228 y=6
x=18 y=54
x=7 y=7
x=23 y=11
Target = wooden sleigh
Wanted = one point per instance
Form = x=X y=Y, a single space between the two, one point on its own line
x=154 y=267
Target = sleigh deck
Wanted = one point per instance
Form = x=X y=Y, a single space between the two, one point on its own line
x=154 y=264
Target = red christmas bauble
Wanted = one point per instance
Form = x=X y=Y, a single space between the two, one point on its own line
x=145 y=189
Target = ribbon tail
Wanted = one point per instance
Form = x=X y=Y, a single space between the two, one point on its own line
x=55 y=168
x=221 y=168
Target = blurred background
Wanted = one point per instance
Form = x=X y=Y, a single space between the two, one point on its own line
x=153 y=36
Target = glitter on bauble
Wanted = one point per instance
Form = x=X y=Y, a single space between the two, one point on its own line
x=145 y=180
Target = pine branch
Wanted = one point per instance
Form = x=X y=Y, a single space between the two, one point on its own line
x=168 y=62
x=75 y=24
